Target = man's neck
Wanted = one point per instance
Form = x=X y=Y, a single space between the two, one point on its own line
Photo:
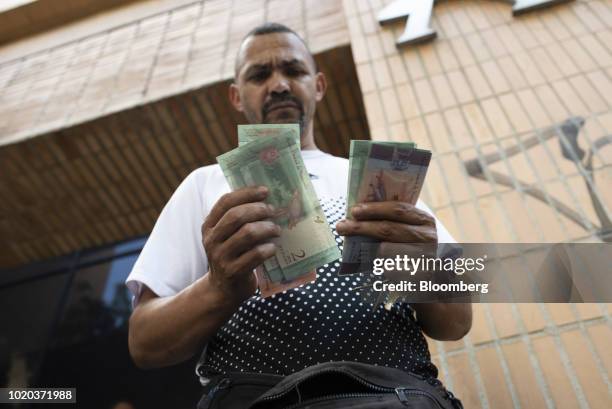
x=308 y=143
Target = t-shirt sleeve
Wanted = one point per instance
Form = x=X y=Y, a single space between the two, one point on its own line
x=447 y=245
x=173 y=256
x=444 y=235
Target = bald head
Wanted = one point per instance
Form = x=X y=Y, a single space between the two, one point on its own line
x=266 y=29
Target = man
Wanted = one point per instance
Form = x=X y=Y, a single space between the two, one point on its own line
x=194 y=283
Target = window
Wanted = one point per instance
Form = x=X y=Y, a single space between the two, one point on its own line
x=67 y=326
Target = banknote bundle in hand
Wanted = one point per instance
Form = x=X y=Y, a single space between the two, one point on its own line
x=306 y=242
x=380 y=171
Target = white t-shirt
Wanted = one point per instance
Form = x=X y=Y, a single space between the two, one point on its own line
x=328 y=320
x=173 y=256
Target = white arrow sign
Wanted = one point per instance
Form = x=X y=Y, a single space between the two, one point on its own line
x=419 y=12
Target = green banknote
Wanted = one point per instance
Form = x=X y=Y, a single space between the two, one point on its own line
x=358 y=157
x=249 y=133
x=387 y=171
x=306 y=241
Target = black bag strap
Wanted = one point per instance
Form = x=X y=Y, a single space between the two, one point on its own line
x=236 y=390
x=202 y=370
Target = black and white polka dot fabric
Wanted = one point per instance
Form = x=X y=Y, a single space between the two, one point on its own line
x=323 y=321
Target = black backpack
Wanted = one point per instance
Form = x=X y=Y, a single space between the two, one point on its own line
x=328 y=386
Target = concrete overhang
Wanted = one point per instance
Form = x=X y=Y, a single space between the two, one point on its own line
x=96 y=134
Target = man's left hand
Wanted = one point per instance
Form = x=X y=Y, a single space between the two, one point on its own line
x=398 y=222
x=395 y=222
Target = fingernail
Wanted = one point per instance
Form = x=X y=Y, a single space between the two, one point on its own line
x=271 y=208
x=262 y=190
x=357 y=209
x=269 y=247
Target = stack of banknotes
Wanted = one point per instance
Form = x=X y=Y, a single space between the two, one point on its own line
x=380 y=171
x=269 y=155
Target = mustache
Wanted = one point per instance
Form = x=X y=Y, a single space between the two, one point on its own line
x=279 y=99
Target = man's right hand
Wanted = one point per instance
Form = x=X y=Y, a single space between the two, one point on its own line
x=237 y=238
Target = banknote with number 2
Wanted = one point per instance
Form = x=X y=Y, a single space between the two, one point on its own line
x=306 y=241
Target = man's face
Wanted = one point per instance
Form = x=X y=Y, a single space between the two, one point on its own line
x=276 y=81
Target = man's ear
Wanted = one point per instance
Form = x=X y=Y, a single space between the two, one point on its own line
x=321 y=86
x=234 y=97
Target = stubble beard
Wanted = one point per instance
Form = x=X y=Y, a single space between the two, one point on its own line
x=252 y=118
x=287 y=119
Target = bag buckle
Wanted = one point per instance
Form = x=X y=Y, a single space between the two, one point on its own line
x=204 y=373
